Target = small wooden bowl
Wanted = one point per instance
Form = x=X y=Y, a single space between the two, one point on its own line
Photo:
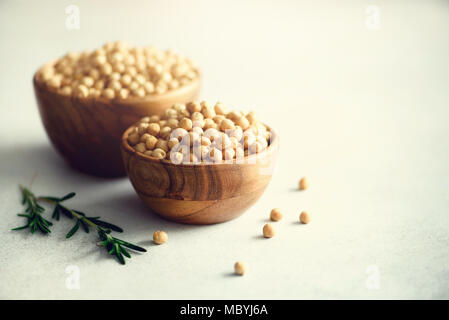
x=87 y=131
x=199 y=193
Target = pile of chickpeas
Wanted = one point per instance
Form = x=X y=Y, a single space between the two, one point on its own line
x=200 y=132
x=118 y=70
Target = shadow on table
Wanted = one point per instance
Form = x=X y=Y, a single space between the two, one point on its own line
x=23 y=161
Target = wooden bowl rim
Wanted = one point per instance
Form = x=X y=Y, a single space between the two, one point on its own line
x=269 y=150
x=194 y=85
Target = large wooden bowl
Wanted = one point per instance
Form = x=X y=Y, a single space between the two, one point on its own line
x=87 y=131
x=199 y=193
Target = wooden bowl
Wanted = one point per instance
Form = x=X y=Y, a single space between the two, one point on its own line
x=87 y=131
x=199 y=193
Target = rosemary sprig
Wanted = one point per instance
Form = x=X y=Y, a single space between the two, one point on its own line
x=33 y=213
x=113 y=245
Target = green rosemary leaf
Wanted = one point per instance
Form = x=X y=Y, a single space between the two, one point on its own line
x=42 y=227
x=125 y=252
x=67 y=196
x=106 y=225
x=51 y=199
x=22 y=227
x=130 y=245
x=85 y=226
x=73 y=230
x=56 y=212
x=24 y=215
x=120 y=258
x=66 y=212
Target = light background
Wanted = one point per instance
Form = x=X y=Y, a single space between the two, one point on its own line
x=363 y=113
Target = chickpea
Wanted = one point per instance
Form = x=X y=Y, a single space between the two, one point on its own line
x=276 y=214
x=140 y=92
x=229 y=154
x=256 y=147
x=140 y=147
x=186 y=124
x=207 y=110
x=160 y=237
x=304 y=217
x=88 y=81
x=205 y=141
x=159 y=153
x=144 y=137
x=82 y=91
x=173 y=142
x=198 y=130
x=165 y=132
x=303 y=183
x=242 y=122
x=209 y=123
x=268 y=231
x=154 y=129
x=126 y=80
x=196 y=116
x=251 y=116
x=109 y=93
x=226 y=124
x=162 y=144
x=172 y=123
x=133 y=138
x=220 y=109
x=204 y=150
x=218 y=119
x=142 y=128
x=240 y=268
x=123 y=93
x=216 y=155
x=193 y=106
x=67 y=91
x=99 y=85
x=151 y=142
x=149 y=87
x=55 y=81
x=234 y=115
x=154 y=119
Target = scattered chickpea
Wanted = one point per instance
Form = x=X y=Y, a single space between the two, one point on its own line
x=304 y=217
x=303 y=183
x=160 y=237
x=268 y=231
x=276 y=215
x=240 y=268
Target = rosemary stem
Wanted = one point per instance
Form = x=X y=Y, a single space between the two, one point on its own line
x=73 y=213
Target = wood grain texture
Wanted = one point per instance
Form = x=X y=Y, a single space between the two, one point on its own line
x=199 y=193
x=87 y=131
